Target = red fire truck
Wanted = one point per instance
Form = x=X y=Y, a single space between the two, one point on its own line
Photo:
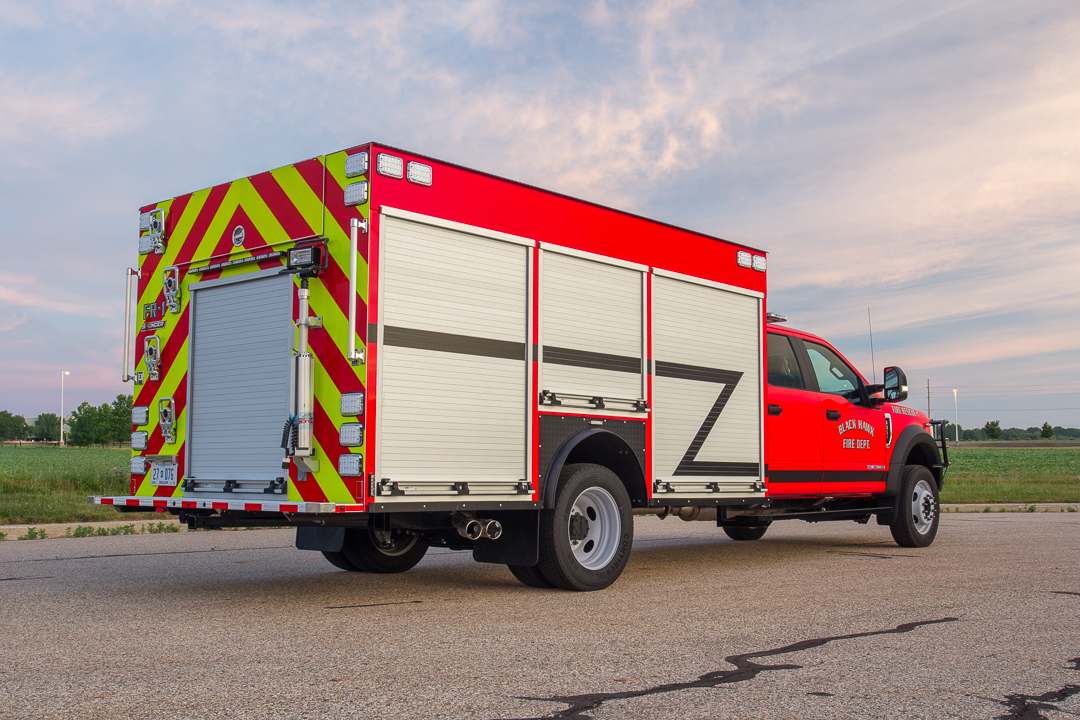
x=390 y=352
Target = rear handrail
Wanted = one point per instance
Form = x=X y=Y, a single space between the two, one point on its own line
x=356 y=226
x=124 y=377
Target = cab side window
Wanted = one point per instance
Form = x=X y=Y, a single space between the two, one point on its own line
x=783 y=369
x=834 y=376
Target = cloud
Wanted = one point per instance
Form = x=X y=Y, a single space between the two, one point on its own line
x=61 y=109
x=12 y=321
x=34 y=293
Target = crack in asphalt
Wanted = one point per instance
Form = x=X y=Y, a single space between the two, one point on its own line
x=346 y=607
x=880 y=556
x=1027 y=707
x=39 y=577
x=744 y=670
x=147 y=554
x=1064 y=592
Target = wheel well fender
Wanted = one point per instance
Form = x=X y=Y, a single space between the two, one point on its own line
x=600 y=447
x=914 y=446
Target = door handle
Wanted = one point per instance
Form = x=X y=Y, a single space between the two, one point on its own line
x=775 y=409
x=832 y=414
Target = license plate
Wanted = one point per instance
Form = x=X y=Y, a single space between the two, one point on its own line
x=164 y=473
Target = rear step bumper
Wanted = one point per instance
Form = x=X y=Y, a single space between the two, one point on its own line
x=151 y=503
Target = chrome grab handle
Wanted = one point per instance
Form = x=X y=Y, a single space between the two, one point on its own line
x=356 y=226
x=124 y=377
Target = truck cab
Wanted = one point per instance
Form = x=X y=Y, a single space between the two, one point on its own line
x=831 y=433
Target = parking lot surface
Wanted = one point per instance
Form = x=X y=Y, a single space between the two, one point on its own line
x=813 y=621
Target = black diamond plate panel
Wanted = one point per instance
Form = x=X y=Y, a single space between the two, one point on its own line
x=554 y=429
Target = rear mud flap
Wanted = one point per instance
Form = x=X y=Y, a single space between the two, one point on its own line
x=519 y=542
x=321 y=539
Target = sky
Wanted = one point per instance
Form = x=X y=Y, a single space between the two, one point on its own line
x=918 y=159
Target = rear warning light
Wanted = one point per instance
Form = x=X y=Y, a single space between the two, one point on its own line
x=138 y=440
x=356 y=165
x=138 y=466
x=759 y=263
x=389 y=165
x=356 y=193
x=743 y=259
x=140 y=415
x=144 y=222
x=349 y=465
x=352 y=404
x=419 y=174
x=351 y=435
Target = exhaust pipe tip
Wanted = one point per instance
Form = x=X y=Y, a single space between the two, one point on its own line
x=493 y=529
x=468 y=527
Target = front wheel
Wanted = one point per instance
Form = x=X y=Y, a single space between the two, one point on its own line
x=362 y=553
x=585 y=540
x=916 y=521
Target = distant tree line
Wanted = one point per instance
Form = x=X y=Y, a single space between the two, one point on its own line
x=992 y=430
x=88 y=425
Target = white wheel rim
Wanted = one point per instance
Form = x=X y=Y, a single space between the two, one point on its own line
x=923 y=507
x=397 y=547
x=598 y=547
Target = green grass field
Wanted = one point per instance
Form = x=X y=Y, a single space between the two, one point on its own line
x=1013 y=475
x=50 y=484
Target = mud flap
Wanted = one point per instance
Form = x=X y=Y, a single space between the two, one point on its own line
x=519 y=543
x=321 y=539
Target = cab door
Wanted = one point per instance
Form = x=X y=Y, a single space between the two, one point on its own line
x=793 y=424
x=853 y=451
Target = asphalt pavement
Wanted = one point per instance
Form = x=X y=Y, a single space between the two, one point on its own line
x=813 y=621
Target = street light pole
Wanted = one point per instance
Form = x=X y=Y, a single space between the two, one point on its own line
x=62 y=374
x=956 y=415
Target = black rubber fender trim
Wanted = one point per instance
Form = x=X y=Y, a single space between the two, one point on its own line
x=912 y=436
x=551 y=477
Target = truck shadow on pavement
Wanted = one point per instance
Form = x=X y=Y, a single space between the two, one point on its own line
x=745 y=669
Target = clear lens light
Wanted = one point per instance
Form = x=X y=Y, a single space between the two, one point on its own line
x=138 y=440
x=356 y=164
x=349 y=465
x=743 y=259
x=351 y=435
x=352 y=404
x=144 y=222
x=356 y=193
x=140 y=415
x=390 y=165
x=300 y=257
x=420 y=174
x=759 y=263
x=146 y=245
x=138 y=466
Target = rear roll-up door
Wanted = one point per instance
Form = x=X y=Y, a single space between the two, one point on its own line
x=453 y=373
x=707 y=390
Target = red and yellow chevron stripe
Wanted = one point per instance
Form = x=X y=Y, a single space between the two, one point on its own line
x=277 y=209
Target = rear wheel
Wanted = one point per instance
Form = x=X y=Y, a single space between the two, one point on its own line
x=585 y=539
x=746 y=532
x=362 y=552
x=338 y=560
x=916 y=521
x=530 y=576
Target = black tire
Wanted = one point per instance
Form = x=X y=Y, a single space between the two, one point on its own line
x=746 y=532
x=361 y=552
x=338 y=560
x=603 y=524
x=530 y=576
x=916 y=522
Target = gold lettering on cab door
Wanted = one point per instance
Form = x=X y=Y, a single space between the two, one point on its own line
x=856 y=443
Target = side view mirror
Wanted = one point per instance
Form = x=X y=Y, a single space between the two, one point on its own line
x=896 y=387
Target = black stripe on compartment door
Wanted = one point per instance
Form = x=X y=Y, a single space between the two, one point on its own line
x=595 y=360
x=449 y=342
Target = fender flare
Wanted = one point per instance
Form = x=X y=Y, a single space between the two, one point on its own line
x=551 y=477
x=912 y=436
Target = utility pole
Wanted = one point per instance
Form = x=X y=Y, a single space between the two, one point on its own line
x=956 y=414
x=927 y=397
x=62 y=374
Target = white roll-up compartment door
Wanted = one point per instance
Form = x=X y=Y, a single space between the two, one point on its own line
x=240 y=345
x=707 y=414
x=591 y=333
x=454 y=381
